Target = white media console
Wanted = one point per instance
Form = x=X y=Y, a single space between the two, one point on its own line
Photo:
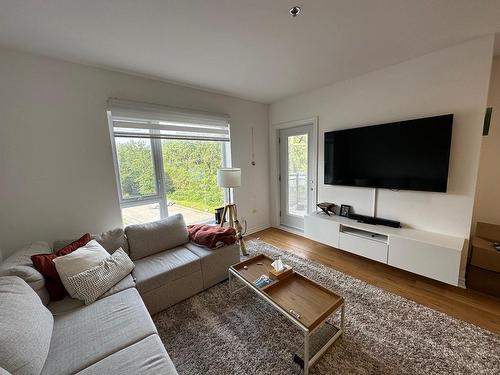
x=433 y=255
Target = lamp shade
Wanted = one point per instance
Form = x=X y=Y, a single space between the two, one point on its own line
x=229 y=177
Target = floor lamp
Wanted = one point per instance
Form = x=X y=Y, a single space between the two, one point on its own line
x=230 y=178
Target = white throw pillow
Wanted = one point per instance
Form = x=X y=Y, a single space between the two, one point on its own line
x=93 y=283
x=80 y=260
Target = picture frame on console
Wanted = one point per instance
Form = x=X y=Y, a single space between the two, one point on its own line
x=345 y=209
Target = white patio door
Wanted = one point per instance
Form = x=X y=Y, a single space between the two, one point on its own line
x=297 y=185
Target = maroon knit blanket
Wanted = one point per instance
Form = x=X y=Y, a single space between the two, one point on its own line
x=211 y=236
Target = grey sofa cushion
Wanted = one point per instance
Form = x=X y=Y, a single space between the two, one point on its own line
x=111 y=240
x=157 y=270
x=215 y=262
x=86 y=335
x=25 y=327
x=29 y=274
x=172 y=292
x=64 y=305
x=20 y=264
x=23 y=255
x=67 y=304
x=147 y=357
x=152 y=238
x=127 y=282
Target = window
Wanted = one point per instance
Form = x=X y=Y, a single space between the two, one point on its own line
x=166 y=161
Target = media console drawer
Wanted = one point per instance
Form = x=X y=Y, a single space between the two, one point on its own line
x=365 y=247
x=437 y=262
x=322 y=230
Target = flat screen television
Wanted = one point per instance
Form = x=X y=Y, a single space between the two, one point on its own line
x=405 y=155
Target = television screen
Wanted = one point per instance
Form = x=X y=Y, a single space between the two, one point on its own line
x=405 y=155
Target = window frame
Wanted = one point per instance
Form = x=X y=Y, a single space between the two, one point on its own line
x=161 y=197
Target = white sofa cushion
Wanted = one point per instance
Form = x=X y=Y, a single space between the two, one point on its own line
x=92 y=283
x=80 y=260
x=25 y=328
x=153 y=238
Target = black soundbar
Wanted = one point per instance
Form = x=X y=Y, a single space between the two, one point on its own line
x=375 y=220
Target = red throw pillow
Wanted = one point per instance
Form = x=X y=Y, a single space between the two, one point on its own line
x=45 y=265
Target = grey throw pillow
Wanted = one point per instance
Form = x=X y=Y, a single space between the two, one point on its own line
x=25 y=328
x=94 y=282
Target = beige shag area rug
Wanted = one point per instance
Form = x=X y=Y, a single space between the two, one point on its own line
x=217 y=333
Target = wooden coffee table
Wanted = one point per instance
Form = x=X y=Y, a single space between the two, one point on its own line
x=304 y=302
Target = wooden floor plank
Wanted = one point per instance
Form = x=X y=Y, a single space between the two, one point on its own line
x=465 y=304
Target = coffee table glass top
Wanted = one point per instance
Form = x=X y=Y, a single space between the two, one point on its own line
x=305 y=300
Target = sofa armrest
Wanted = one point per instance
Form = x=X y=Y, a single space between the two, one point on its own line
x=20 y=264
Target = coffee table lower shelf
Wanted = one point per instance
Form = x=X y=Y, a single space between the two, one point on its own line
x=322 y=339
x=316 y=340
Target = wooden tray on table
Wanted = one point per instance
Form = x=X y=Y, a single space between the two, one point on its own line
x=305 y=300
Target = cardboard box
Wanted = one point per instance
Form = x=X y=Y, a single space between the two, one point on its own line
x=483 y=273
x=484 y=255
x=483 y=281
x=490 y=232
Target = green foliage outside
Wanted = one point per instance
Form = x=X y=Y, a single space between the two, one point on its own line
x=297 y=172
x=191 y=167
x=297 y=154
x=136 y=169
x=190 y=171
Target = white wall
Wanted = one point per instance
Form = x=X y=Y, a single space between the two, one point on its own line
x=487 y=207
x=453 y=80
x=56 y=168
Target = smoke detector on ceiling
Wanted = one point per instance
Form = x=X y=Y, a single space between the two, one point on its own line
x=294 y=11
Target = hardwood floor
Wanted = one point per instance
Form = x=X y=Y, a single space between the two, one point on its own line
x=468 y=305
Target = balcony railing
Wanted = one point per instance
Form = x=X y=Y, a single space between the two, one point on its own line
x=297 y=193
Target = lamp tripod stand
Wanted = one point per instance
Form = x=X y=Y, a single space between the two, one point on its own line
x=232 y=218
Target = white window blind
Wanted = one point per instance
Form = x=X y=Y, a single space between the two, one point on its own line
x=142 y=120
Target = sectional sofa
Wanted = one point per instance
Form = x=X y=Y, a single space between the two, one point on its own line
x=115 y=334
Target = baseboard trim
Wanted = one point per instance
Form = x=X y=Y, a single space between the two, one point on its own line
x=291 y=230
x=258 y=228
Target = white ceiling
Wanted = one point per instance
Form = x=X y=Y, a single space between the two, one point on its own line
x=247 y=48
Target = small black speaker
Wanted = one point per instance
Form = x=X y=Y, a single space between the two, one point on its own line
x=487 y=120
